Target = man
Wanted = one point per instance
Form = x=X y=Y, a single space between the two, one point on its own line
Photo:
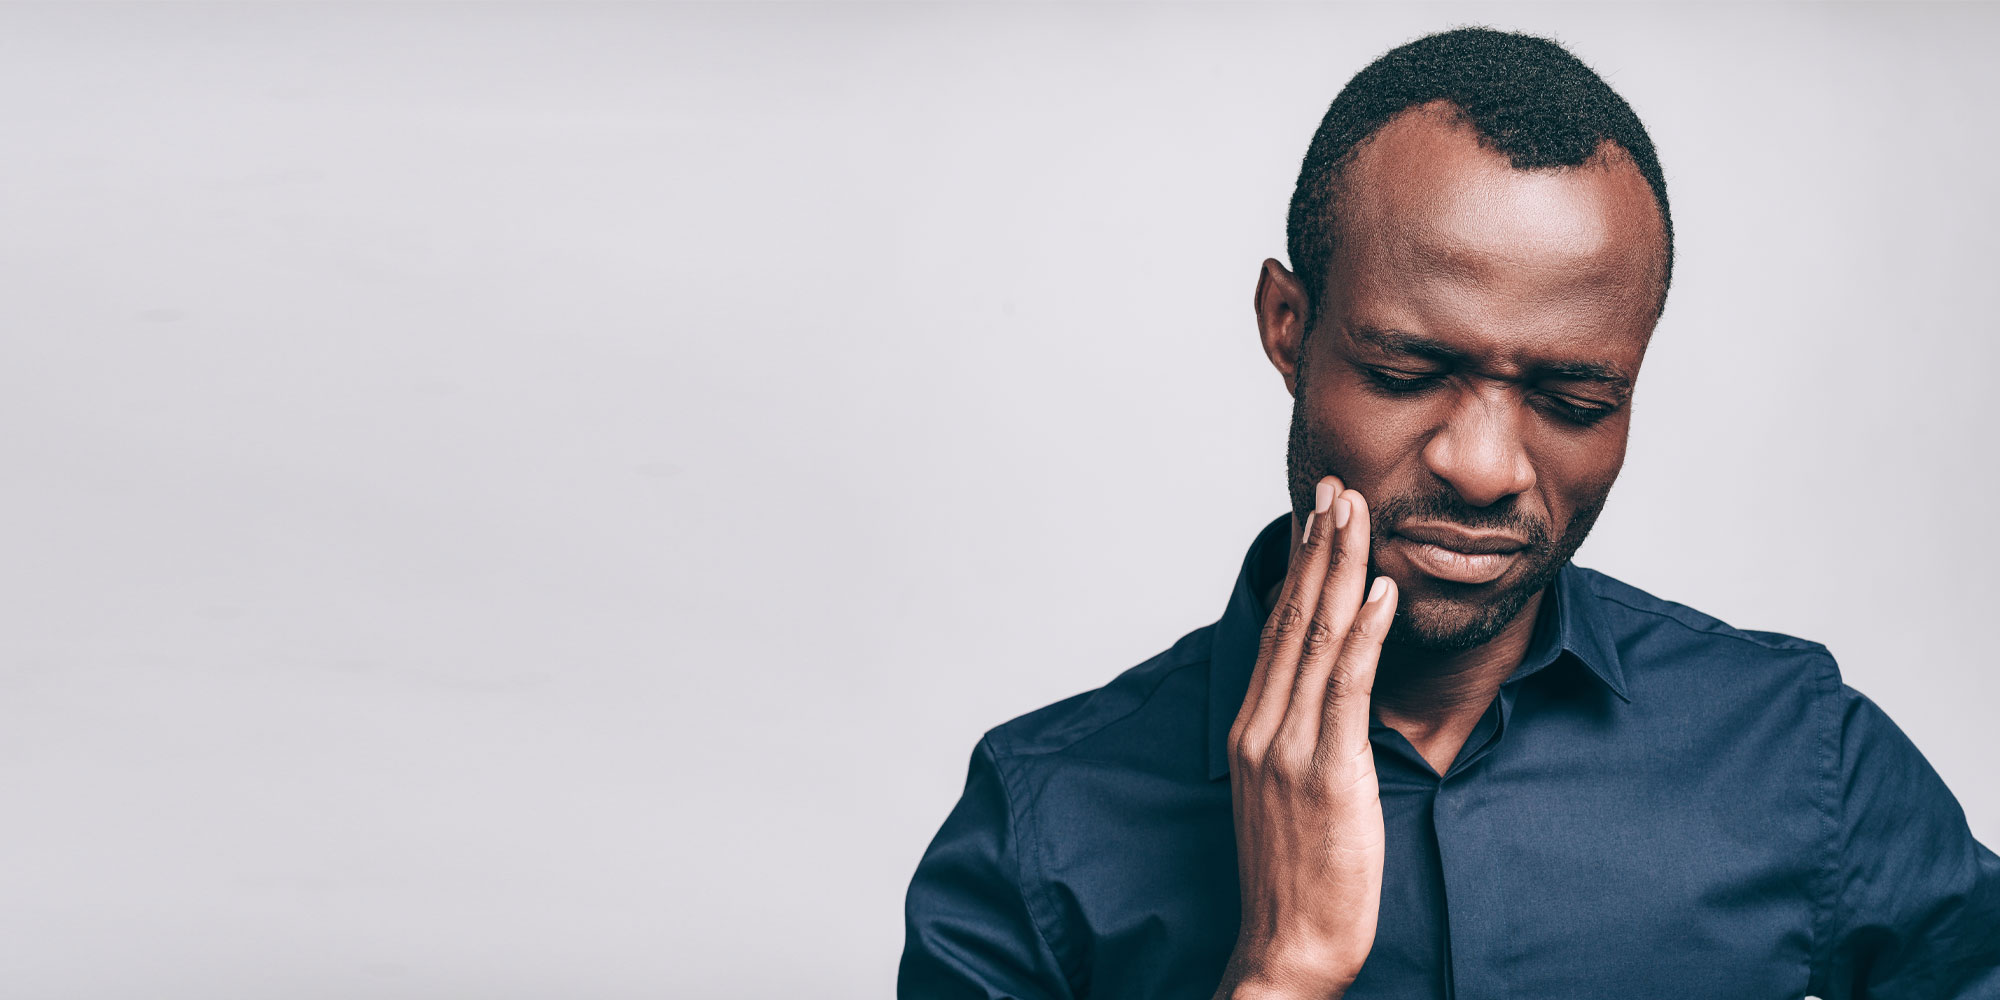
x=1422 y=753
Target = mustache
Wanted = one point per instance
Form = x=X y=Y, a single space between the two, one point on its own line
x=1505 y=515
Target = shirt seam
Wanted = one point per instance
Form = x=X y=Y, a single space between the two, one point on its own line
x=1143 y=701
x=1041 y=915
x=1731 y=633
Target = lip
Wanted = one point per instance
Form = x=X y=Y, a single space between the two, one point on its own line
x=1457 y=539
x=1456 y=555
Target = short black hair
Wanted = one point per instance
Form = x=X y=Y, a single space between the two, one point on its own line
x=1528 y=98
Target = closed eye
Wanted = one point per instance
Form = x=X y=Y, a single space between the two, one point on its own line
x=1576 y=413
x=1404 y=383
x=1390 y=380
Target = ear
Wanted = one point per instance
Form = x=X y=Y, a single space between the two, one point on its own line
x=1281 y=319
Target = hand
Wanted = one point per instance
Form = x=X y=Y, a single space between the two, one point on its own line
x=1302 y=774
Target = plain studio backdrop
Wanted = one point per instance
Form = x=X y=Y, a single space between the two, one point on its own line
x=542 y=501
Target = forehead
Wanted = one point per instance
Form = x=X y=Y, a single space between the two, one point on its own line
x=1440 y=232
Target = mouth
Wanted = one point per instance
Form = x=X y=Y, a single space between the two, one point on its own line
x=1456 y=555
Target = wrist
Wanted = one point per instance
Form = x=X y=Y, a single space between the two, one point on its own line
x=1261 y=989
x=1270 y=989
x=1275 y=980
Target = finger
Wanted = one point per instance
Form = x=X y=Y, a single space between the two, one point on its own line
x=1277 y=646
x=1344 y=723
x=1283 y=633
x=1340 y=598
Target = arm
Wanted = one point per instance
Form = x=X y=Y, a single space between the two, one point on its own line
x=1916 y=911
x=969 y=932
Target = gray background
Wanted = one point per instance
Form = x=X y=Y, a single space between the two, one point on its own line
x=541 y=501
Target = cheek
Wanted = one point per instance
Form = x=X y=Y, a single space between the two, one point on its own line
x=1364 y=438
x=1576 y=471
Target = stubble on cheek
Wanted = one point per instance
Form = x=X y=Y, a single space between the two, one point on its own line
x=1299 y=480
x=1310 y=455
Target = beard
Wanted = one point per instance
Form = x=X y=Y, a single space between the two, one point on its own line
x=1440 y=615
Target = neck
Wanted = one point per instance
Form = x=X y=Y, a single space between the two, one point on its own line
x=1435 y=698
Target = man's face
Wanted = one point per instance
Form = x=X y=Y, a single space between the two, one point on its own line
x=1471 y=366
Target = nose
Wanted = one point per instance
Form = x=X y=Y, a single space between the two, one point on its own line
x=1479 y=450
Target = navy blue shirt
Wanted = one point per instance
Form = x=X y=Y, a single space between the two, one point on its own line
x=1656 y=804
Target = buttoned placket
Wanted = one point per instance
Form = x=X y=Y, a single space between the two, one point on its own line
x=1452 y=799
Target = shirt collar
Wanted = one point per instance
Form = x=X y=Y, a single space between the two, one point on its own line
x=1578 y=630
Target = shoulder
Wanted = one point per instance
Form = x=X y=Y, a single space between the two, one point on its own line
x=1631 y=606
x=1161 y=701
x=1660 y=641
x=1753 y=676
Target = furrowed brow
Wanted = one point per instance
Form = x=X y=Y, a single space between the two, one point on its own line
x=1398 y=342
x=1583 y=371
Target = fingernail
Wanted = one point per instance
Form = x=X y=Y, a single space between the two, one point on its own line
x=1306 y=536
x=1380 y=587
x=1322 y=495
x=1341 y=508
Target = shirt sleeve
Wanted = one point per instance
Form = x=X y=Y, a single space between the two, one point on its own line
x=1917 y=905
x=969 y=931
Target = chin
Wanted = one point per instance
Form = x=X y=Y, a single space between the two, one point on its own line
x=1440 y=617
x=1443 y=630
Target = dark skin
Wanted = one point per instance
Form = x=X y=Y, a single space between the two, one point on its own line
x=1467 y=379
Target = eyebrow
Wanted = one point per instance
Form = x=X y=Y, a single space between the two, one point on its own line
x=1399 y=342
